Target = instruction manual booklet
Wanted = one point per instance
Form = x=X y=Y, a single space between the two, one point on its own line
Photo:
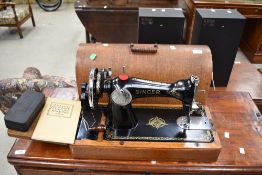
x=58 y=121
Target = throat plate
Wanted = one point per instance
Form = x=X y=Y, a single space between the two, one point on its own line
x=196 y=123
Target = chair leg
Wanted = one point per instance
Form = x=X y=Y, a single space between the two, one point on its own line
x=32 y=16
x=19 y=32
x=33 y=20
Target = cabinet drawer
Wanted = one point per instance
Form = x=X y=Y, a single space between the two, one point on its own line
x=107 y=173
x=25 y=171
x=28 y=171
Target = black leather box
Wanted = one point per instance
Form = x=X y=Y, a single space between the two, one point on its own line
x=24 y=111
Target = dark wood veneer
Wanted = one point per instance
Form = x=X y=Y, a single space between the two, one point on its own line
x=117 y=21
x=232 y=112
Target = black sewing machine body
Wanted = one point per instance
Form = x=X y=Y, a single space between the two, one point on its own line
x=188 y=123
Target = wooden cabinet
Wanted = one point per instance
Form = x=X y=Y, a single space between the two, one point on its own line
x=116 y=21
x=26 y=171
x=30 y=171
x=251 y=42
x=108 y=173
x=232 y=112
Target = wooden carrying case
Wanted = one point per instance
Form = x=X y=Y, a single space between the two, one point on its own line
x=162 y=63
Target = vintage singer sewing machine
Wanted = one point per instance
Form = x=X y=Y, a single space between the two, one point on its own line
x=151 y=109
x=125 y=122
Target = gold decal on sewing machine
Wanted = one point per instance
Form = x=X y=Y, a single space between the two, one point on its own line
x=147 y=91
x=157 y=122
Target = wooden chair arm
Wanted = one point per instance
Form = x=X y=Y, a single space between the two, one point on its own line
x=28 y=1
x=12 y=4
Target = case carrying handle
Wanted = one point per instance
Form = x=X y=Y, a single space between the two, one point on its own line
x=143 y=48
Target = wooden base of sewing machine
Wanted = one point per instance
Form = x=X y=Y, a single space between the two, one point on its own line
x=146 y=150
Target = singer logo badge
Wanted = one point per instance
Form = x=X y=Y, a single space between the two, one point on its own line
x=157 y=122
x=147 y=92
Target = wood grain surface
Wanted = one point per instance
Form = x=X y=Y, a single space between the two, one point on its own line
x=245 y=78
x=232 y=112
x=167 y=65
x=118 y=19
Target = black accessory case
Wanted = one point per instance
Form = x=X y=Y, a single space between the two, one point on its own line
x=24 y=111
